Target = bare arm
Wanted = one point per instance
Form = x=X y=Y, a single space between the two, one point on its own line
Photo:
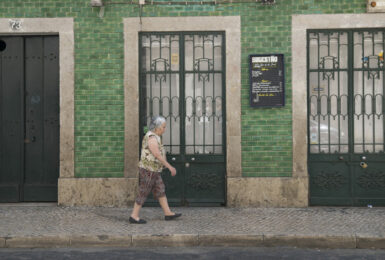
x=154 y=149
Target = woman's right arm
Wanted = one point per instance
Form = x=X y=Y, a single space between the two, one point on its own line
x=154 y=149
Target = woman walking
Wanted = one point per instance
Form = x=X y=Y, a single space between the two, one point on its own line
x=152 y=162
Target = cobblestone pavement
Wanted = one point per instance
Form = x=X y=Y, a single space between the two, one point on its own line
x=49 y=220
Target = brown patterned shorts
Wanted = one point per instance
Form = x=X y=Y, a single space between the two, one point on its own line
x=149 y=181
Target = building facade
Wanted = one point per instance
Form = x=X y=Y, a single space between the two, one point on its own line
x=80 y=81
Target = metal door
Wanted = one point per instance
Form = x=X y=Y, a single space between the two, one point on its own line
x=346 y=117
x=29 y=117
x=182 y=78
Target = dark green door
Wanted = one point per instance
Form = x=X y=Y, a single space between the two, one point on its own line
x=29 y=118
x=346 y=117
x=182 y=78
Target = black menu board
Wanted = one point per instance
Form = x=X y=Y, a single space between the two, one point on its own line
x=267 y=80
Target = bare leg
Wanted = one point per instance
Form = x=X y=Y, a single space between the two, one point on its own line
x=164 y=204
x=135 y=211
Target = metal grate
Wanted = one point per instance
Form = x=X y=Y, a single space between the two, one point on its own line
x=182 y=79
x=346 y=91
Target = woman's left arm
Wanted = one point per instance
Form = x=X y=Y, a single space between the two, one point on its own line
x=155 y=150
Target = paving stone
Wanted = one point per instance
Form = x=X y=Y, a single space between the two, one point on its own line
x=218 y=226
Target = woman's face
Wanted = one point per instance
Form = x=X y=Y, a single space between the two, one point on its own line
x=160 y=130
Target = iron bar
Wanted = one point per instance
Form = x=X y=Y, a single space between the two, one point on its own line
x=338 y=94
x=170 y=94
x=204 y=95
x=318 y=97
x=194 y=101
x=363 y=112
x=160 y=82
x=151 y=100
x=182 y=94
x=213 y=96
x=373 y=96
x=383 y=94
x=328 y=105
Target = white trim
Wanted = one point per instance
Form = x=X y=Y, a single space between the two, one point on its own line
x=232 y=27
x=301 y=23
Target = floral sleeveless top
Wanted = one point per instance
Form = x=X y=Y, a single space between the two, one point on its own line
x=147 y=159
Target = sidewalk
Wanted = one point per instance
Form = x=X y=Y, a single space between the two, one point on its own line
x=46 y=225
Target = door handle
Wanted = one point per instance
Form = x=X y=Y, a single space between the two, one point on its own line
x=363 y=165
x=187 y=165
x=32 y=140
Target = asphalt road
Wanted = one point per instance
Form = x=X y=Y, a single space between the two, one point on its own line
x=238 y=253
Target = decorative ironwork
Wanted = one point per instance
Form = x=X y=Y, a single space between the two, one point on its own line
x=372 y=179
x=328 y=93
x=328 y=75
x=346 y=116
x=204 y=181
x=374 y=60
x=192 y=84
x=373 y=75
x=182 y=77
x=329 y=180
x=166 y=67
x=326 y=60
x=198 y=63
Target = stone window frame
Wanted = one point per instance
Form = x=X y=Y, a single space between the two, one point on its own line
x=64 y=28
x=232 y=27
x=300 y=25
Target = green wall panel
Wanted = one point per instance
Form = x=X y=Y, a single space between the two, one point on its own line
x=99 y=65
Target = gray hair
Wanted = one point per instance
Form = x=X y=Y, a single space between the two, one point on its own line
x=156 y=122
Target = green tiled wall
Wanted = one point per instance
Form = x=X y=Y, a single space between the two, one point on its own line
x=99 y=101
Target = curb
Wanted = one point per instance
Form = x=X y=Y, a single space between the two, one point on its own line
x=311 y=241
x=371 y=242
x=164 y=240
x=189 y=240
x=230 y=240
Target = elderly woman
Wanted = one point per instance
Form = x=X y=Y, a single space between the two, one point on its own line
x=152 y=162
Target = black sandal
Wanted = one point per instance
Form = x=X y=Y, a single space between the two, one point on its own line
x=134 y=221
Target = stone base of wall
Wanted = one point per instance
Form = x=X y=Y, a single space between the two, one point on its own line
x=267 y=192
x=106 y=192
x=241 y=192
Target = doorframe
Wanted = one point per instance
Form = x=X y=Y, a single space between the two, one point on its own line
x=232 y=27
x=300 y=25
x=64 y=27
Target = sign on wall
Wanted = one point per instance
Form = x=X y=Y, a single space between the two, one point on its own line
x=267 y=80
